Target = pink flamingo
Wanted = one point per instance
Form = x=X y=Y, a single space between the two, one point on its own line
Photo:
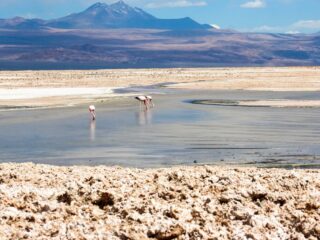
x=150 y=102
x=146 y=100
x=142 y=99
x=92 y=110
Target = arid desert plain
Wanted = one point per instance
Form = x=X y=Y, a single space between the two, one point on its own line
x=260 y=79
x=226 y=153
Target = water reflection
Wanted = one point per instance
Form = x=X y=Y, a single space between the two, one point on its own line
x=144 y=117
x=172 y=133
x=92 y=130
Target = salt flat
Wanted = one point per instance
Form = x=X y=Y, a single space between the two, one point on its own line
x=259 y=79
x=42 y=202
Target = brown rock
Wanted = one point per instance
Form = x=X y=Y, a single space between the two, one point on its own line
x=65 y=198
x=105 y=199
x=173 y=232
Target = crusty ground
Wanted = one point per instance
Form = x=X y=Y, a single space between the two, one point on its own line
x=273 y=78
x=261 y=79
x=200 y=202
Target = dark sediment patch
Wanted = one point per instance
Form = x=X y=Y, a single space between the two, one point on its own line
x=226 y=148
x=138 y=88
x=222 y=102
x=267 y=161
x=7 y=108
x=214 y=102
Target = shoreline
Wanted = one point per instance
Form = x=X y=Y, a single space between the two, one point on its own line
x=44 y=98
x=274 y=103
x=32 y=93
x=180 y=202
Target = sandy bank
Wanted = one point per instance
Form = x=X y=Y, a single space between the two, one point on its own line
x=49 y=97
x=30 y=93
x=280 y=103
x=41 y=202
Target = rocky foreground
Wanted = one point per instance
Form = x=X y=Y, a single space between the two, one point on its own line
x=48 y=202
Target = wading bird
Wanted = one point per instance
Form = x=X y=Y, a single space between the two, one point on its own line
x=142 y=99
x=149 y=100
x=92 y=110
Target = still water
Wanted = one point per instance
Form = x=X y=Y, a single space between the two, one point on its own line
x=174 y=132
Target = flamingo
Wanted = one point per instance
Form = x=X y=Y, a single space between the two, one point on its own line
x=92 y=110
x=149 y=98
x=142 y=99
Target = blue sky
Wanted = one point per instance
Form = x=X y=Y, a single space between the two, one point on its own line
x=245 y=15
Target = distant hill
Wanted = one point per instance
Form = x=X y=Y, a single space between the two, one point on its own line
x=104 y=16
x=22 y=23
x=152 y=48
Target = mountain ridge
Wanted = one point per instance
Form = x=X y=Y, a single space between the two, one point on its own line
x=104 y=16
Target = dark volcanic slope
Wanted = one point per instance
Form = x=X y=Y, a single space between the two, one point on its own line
x=125 y=48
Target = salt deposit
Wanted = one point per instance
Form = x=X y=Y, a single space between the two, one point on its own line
x=203 y=202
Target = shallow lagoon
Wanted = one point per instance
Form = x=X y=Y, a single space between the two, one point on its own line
x=174 y=132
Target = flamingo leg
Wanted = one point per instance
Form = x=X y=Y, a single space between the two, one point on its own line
x=93 y=115
x=145 y=102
